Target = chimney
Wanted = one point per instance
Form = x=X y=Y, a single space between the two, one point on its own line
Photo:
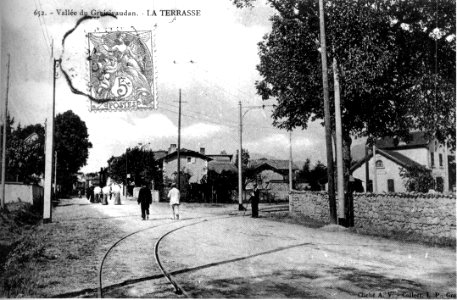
x=202 y=150
x=172 y=148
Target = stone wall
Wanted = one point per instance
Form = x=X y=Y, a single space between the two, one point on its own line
x=419 y=216
x=313 y=205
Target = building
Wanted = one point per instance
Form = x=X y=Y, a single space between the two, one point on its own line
x=392 y=155
x=273 y=176
x=193 y=163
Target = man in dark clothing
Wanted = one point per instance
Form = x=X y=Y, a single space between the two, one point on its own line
x=145 y=199
x=90 y=194
x=255 y=198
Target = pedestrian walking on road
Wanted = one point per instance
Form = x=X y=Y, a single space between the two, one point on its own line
x=255 y=198
x=174 y=196
x=97 y=193
x=106 y=190
x=116 y=190
x=90 y=194
x=145 y=199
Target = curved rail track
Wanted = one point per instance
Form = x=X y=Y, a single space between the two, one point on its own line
x=178 y=289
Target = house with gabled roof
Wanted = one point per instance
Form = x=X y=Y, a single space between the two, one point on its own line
x=193 y=163
x=393 y=154
x=273 y=176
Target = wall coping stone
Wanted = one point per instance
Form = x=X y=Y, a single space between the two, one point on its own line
x=398 y=195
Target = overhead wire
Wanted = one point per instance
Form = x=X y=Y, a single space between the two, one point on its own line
x=45 y=37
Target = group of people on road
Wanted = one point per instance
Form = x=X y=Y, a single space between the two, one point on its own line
x=145 y=200
x=96 y=194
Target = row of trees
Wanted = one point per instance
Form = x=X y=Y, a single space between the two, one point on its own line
x=25 y=150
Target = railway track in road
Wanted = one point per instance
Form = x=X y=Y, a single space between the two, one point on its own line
x=101 y=290
x=178 y=289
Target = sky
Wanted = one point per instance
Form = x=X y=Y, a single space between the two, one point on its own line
x=222 y=44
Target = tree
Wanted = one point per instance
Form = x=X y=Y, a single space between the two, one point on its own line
x=25 y=152
x=396 y=62
x=248 y=172
x=140 y=164
x=315 y=177
x=72 y=147
x=417 y=179
x=304 y=174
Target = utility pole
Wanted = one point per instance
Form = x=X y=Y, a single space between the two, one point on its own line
x=339 y=144
x=446 y=168
x=179 y=143
x=126 y=179
x=47 y=208
x=367 y=170
x=375 y=176
x=240 y=171
x=55 y=175
x=328 y=127
x=290 y=162
x=5 y=126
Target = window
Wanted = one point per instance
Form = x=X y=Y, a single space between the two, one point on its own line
x=189 y=160
x=441 y=159
x=432 y=159
x=379 y=164
x=390 y=186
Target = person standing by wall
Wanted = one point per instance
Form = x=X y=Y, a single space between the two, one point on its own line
x=174 y=196
x=145 y=199
x=255 y=198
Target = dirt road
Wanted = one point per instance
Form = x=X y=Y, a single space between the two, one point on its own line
x=232 y=256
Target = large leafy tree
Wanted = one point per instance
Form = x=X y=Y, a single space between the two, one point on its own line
x=72 y=147
x=140 y=164
x=397 y=71
x=25 y=152
x=396 y=61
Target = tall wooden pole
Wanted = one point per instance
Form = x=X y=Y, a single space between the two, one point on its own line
x=5 y=126
x=47 y=207
x=375 y=175
x=367 y=170
x=328 y=127
x=179 y=143
x=55 y=174
x=240 y=170
x=446 y=169
x=290 y=162
x=339 y=142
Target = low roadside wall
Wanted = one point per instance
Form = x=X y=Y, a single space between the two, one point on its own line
x=418 y=216
x=20 y=192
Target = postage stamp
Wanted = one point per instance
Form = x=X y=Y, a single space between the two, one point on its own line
x=121 y=71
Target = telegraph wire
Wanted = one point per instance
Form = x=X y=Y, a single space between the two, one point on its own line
x=44 y=22
x=47 y=42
